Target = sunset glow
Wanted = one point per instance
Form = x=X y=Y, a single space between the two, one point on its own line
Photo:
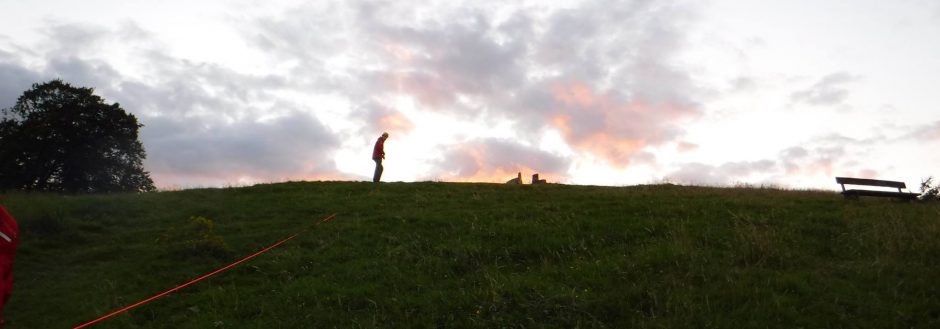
x=783 y=93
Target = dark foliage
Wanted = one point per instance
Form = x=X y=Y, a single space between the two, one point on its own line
x=196 y=239
x=929 y=190
x=62 y=138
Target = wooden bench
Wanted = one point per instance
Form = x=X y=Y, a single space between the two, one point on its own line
x=855 y=194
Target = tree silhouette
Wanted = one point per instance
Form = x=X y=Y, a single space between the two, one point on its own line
x=66 y=139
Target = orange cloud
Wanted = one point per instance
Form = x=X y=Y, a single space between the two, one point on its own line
x=478 y=167
x=395 y=123
x=820 y=167
x=686 y=147
x=497 y=161
x=614 y=149
x=575 y=93
x=496 y=175
x=607 y=127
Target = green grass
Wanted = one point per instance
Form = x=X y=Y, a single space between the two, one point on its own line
x=443 y=255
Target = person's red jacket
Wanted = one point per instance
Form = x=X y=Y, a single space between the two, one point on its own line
x=379 y=151
x=9 y=238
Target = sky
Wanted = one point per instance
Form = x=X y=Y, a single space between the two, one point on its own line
x=717 y=92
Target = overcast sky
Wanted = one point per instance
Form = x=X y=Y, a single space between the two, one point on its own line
x=717 y=92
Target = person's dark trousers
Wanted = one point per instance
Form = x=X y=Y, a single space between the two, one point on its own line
x=378 y=170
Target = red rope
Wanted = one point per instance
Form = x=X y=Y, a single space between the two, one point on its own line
x=199 y=278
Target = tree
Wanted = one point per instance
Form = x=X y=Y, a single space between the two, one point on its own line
x=66 y=139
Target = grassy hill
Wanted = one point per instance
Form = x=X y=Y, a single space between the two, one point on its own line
x=445 y=255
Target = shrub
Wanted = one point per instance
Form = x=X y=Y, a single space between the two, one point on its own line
x=930 y=191
x=197 y=238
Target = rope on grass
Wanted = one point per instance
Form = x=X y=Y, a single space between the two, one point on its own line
x=275 y=245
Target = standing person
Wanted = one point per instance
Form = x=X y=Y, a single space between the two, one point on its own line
x=9 y=238
x=378 y=154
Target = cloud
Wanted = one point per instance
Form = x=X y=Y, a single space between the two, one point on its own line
x=606 y=75
x=815 y=160
x=203 y=124
x=927 y=133
x=720 y=175
x=393 y=122
x=828 y=91
x=683 y=146
x=376 y=117
x=16 y=79
x=791 y=156
x=743 y=84
x=795 y=152
x=821 y=156
x=193 y=150
x=612 y=128
x=75 y=38
x=617 y=89
x=92 y=73
x=497 y=160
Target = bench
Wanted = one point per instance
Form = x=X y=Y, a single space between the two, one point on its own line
x=855 y=194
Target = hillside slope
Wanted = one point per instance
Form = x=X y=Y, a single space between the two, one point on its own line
x=478 y=255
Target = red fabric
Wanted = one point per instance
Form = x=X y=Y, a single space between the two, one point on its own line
x=378 y=152
x=7 y=249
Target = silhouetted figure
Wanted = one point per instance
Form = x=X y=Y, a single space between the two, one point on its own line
x=378 y=154
x=517 y=180
x=536 y=180
x=9 y=238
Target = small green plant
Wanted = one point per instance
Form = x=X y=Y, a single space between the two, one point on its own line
x=198 y=238
x=930 y=191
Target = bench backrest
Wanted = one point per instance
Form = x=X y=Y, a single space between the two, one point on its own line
x=869 y=182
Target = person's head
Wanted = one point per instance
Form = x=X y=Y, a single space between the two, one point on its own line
x=385 y=135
